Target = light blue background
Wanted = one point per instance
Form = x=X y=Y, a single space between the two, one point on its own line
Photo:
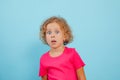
x=95 y=25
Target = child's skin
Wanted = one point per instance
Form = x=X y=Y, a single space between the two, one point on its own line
x=55 y=37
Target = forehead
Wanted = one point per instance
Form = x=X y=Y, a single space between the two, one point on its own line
x=53 y=25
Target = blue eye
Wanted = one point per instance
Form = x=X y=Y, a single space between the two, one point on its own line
x=56 y=32
x=49 y=32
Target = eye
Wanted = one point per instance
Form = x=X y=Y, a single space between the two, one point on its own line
x=49 y=32
x=57 y=32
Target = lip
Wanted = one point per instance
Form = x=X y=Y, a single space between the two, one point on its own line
x=53 y=41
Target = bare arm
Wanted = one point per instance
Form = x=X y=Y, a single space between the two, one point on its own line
x=44 y=77
x=81 y=74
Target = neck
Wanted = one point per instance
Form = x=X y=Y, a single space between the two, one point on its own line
x=57 y=50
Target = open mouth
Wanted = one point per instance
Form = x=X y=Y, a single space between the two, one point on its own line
x=53 y=41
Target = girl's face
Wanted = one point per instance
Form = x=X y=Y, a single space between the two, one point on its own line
x=54 y=35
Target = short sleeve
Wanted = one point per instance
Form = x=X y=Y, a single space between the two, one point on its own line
x=77 y=61
x=42 y=69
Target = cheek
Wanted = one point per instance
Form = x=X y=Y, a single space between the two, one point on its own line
x=61 y=38
x=47 y=38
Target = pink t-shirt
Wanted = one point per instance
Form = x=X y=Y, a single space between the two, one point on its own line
x=62 y=67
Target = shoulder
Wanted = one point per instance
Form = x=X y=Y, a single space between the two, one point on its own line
x=71 y=51
x=44 y=56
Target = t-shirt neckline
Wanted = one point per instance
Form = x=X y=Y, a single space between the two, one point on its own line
x=57 y=56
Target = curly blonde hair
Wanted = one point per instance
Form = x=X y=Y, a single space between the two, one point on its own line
x=63 y=25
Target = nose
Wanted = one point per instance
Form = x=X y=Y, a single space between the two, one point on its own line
x=53 y=36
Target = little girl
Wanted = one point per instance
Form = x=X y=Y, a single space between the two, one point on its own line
x=60 y=62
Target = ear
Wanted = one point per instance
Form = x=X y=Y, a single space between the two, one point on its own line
x=64 y=37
